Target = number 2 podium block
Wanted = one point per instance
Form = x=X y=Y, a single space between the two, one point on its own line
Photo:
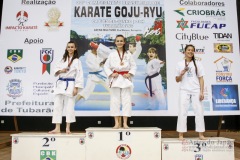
x=43 y=146
x=131 y=144
x=215 y=148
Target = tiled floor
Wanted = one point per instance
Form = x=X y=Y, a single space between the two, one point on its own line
x=5 y=139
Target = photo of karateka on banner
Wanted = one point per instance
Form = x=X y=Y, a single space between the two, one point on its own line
x=94 y=26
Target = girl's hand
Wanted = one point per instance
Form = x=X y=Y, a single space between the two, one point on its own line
x=75 y=91
x=127 y=75
x=201 y=96
x=114 y=75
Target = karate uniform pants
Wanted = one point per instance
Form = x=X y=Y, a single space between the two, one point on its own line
x=90 y=86
x=159 y=95
x=60 y=102
x=185 y=98
x=120 y=96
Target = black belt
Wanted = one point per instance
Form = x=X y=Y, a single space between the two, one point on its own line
x=150 y=82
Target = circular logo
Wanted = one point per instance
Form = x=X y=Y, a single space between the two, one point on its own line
x=8 y=69
x=123 y=151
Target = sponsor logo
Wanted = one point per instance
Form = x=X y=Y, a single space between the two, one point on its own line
x=197 y=50
x=223 y=47
x=14 y=55
x=53 y=22
x=22 y=18
x=201 y=3
x=182 y=24
x=15 y=88
x=46 y=57
x=223 y=36
x=123 y=151
x=33 y=41
x=199 y=24
x=198 y=157
x=38 y=2
x=8 y=69
x=225 y=97
x=212 y=13
x=223 y=66
x=48 y=154
x=191 y=37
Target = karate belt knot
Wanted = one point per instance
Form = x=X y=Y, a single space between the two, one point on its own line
x=97 y=73
x=66 y=80
x=119 y=72
x=150 y=82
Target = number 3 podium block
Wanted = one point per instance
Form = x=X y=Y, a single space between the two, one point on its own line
x=43 y=146
x=216 y=148
x=132 y=144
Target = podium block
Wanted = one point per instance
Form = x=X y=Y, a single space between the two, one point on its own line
x=192 y=148
x=131 y=144
x=43 y=146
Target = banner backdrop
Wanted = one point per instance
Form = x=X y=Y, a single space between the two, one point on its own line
x=35 y=33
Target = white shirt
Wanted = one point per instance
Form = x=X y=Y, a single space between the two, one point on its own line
x=190 y=81
x=75 y=72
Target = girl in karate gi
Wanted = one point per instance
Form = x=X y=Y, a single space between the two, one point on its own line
x=189 y=73
x=120 y=67
x=154 y=80
x=69 y=70
x=95 y=60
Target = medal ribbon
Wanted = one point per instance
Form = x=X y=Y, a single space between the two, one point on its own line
x=121 y=58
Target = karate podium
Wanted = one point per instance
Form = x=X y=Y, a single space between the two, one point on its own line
x=132 y=144
x=43 y=146
x=216 y=148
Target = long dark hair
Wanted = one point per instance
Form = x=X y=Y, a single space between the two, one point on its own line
x=75 y=54
x=193 y=58
x=124 y=46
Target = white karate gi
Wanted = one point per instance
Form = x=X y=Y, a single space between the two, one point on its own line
x=120 y=91
x=96 y=74
x=63 y=93
x=153 y=67
x=189 y=93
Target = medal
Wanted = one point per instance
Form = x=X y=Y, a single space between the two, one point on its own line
x=121 y=63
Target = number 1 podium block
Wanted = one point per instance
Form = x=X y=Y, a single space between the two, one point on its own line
x=215 y=148
x=132 y=144
x=43 y=146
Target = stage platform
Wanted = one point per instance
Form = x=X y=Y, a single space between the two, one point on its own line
x=5 y=140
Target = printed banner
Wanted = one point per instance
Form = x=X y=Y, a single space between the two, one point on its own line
x=34 y=35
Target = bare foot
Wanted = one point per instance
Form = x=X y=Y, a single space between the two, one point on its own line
x=203 y=138
x=55 y=131
x=125 y=126
x=181 y=138
x=116 y=126
x=68 y=131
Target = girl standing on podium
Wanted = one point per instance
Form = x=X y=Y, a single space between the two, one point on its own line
x=120 y=67
x=69 y=70
x=189 y=73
